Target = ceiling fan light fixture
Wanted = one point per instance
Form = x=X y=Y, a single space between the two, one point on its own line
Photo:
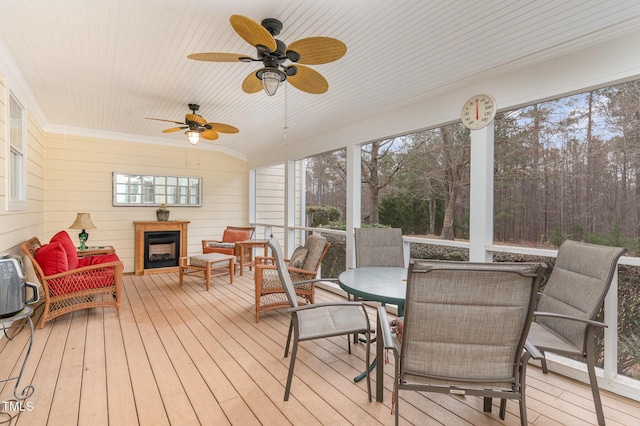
x=192 y=136
x=271 y=79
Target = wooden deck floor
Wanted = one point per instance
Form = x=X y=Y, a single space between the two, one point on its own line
x=184 y=356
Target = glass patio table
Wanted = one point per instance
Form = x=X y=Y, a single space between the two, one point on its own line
x=383 y=284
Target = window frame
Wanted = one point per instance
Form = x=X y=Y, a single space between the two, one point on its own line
x=16 y=155
x=148 y=190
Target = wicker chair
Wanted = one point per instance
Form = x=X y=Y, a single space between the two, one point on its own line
x=227 y=245
x=464 y=331
x=269 y=291
x=568 y=308
x=93 y=286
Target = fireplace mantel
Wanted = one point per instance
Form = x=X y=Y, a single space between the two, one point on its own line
x=157 y=226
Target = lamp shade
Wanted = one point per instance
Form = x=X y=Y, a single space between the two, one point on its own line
x=271 y=78
x=83 y=221
x=192 y=136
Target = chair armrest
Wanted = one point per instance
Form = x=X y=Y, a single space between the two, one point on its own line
x=535 y=353
x=566 y=317
x=385 y=328
x=320 y=305
x=315 y=280
x=302 y=271
x=264 y=260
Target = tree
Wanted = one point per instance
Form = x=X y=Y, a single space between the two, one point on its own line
x=455 y=150
x=381 y=161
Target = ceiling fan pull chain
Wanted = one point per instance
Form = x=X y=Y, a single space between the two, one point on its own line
x=286 y=98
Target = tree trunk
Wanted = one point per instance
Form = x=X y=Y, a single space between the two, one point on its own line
x=450 y=203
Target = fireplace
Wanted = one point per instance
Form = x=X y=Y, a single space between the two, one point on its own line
x=159 y=246
x=161 y=249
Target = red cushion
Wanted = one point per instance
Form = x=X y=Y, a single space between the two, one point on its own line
x=97 y=259
x=52 y=258
x=233 y=235
x=72 y=256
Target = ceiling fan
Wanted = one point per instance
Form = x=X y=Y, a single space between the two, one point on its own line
x=197 y=126
x=273 y=53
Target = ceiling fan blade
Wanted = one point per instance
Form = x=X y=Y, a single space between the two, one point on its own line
x=209 y=134
x=162 y=119
x=195 y=118
x=174 y=129
x=252 y=84
x=252 y=32
x=309 y=80
x=217 y=57
x=318 y=50
x=222 y=128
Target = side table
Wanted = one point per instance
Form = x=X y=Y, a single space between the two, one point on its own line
x=251 y=244
x=16 y=322
x=95 y=250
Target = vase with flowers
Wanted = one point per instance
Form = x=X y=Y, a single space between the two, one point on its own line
x=162 y=213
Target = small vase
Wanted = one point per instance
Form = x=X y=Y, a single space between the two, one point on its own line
x=162 y=215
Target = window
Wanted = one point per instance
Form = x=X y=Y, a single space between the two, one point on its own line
x=152 y=190
x=17 y=199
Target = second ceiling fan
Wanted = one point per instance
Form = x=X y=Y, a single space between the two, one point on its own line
x=197 y=127
x=273 y=53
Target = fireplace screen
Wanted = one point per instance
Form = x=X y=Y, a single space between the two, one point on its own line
x=161 y=249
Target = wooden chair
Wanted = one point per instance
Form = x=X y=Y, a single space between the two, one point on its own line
x=92 y=286
x=270 y=293
x=227 y=245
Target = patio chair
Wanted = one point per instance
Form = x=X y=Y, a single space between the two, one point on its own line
x=303 y=266
x=317 y=321
x=379 y=247
x=464 y=330
x=568 y=308
x=227 y=245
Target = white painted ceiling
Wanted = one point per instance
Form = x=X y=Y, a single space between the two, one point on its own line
x=102 y=66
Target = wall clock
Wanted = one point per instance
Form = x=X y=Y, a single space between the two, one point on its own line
x=478 y=111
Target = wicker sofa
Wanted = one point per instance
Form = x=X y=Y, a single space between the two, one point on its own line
x=71 y=283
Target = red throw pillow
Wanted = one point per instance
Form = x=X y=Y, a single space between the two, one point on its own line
x=72 y=256
x=234 y=235
x=52 y=258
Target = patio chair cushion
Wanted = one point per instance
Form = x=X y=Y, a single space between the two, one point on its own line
x=97 y=259
x=200 y=261
x=222 y=248
x=52 y=258
x=315 y=244
x=70 y=249
x=298 y=257
x=234 y=235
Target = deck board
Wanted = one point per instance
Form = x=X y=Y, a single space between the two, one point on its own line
x=183 y=355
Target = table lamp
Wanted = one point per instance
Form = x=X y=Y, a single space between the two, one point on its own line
x=83 y=221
